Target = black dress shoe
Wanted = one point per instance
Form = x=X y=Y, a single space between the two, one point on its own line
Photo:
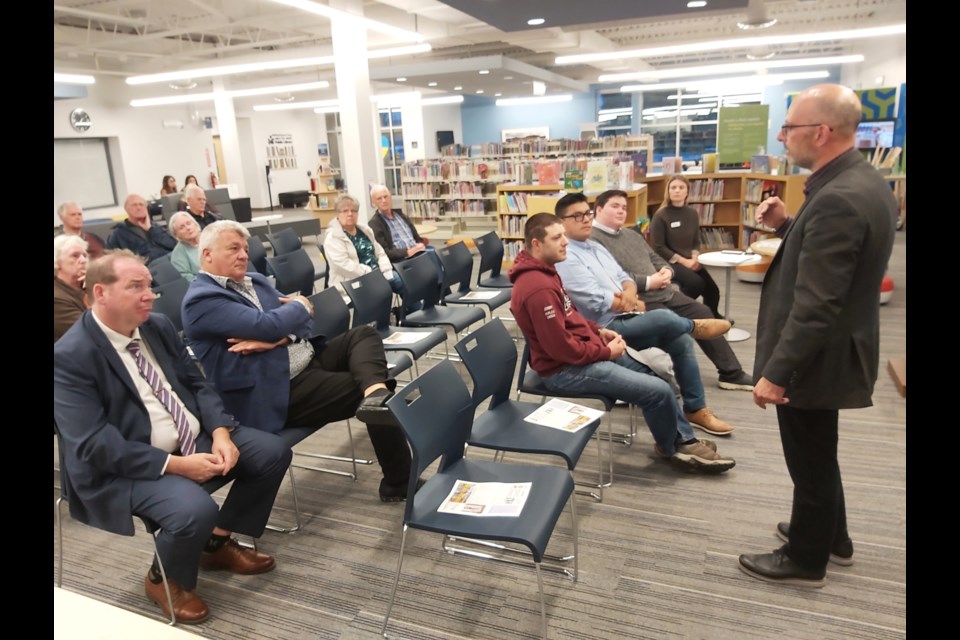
x=396 y=493
x=779 y=568
x=373 y=409
x=841 y=553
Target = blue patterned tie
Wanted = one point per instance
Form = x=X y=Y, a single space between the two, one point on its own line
x=187 y=445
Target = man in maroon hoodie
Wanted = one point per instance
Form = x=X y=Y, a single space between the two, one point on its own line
x=571 y=353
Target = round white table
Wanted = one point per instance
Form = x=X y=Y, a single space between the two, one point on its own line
x=728 y=261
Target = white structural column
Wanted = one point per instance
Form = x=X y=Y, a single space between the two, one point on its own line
x=229 y=138
x=360 y=142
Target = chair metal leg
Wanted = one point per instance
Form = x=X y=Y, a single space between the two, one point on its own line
x=543 y=604
x=59 y=542
x=296 y=508
x=473 y=553
x=575 y=524
x=163 y=576
x=396 y=581
x=353 y=460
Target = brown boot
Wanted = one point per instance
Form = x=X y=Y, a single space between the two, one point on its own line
x=705 y=419
x=709 y=328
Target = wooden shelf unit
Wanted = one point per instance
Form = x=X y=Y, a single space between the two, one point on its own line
x=755 y=187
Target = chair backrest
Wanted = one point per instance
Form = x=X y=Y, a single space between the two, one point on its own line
x=257 y=255
x=457 y=266
x=372 y=297
x=490 y=356
x=294 y=272
x=219 y=199
x=170 y=299
x=491 y=254
x=163 y=271
x=419 y=277
x=436 y=414
x=171 y=204
x=284 y=241
x=331 y=317
x=326 y=272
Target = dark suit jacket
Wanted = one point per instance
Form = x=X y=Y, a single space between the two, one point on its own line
x=818 y=326
x=385 y=239
x=256 y=387
x=104 y=426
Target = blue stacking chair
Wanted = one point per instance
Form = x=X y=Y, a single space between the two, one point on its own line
x=435 y=412
x=284 y=241
x=457 y=268
x=490 y=247
x=294 y=272
x=162 y=270
x=256 y=255
x=169 y=300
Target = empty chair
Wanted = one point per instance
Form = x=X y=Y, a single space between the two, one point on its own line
x=435 y=412
x=491 y=260
x=420 y=279
x=284 y=241
x=162 y=270
x=372 y=297
x=294 y=272
x=169 y=300
x=490 y=355
x=457 y=269
x=256 y=255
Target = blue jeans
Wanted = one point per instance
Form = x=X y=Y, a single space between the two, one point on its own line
x=627 y=380
x=666 y=330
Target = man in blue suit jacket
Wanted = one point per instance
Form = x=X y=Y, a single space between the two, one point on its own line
x=818 y=327
x=121 y=445
x=257 y=349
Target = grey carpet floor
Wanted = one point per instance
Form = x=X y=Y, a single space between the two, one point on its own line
x=658 y=558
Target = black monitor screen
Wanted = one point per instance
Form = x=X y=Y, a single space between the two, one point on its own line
x=878 y=133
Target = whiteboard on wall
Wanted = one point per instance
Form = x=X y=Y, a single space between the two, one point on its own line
x=523 y=132
x=81 y=173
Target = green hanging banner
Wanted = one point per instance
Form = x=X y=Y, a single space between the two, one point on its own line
x=741 y=134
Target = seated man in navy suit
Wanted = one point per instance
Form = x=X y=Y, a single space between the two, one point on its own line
x=141 y=431
x=257 y=349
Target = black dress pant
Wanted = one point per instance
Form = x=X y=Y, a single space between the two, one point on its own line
x=331 y=388
x=819 y=517
x=698 y=283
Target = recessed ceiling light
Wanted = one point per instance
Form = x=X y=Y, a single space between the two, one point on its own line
x=497 y=94
x=401 y=79
x=483 y=72
x=479 y=91
x=431 y=84
x=762 y=23
x=508 y=77
x=533 y=22
x=696 y=4
x=458 y=88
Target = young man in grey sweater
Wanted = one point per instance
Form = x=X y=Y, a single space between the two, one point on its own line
x=653 y=276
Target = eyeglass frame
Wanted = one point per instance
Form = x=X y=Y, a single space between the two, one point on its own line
x=581 y=216
x=785 y=128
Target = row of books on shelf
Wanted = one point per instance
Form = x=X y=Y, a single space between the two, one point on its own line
x=434 y=209
x=516 y=202
x=512 y=225
x=511 y=249
x=423 y=209
x=748 y=216
x=760 y=190
x=534 y=145
x=716 y=238
x=708 y=189
x=705 y=212
x=492 y=170
x=448 y=190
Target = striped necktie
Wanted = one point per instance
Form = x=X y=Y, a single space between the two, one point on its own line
x=187 y=445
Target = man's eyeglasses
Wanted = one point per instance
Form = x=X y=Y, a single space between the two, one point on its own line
x=785 y=129
x=580 y=217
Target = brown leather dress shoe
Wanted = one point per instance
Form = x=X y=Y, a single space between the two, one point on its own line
x=232 y=557
x=706 y=420
x=188 y=608
x=707 y=329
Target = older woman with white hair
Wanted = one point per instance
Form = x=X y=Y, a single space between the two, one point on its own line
x=186 y=255
x=69 y=270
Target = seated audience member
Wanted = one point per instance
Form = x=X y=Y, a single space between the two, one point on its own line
x=169 y=186
x=71 y=215
x=396 y=234
x=69 y=269
x=654 y=281
x=138 y=233
x=189 y=180
x=351 y=250
x=195 y=203
x=141 y=431
x=573 y=354
x=256 y=349
x=186 y=255
x=605 y=294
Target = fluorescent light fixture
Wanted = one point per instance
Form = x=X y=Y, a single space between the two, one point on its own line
x=478 y=91
x=696 y=4
x=297 y=105
x=763 y=23
x=534 y=22
x=373 y=25
x=735 y=43
x=731 y=85
x=458 y=88
x=73 y=78
x=426 y=102
x=484 y=72
x=239 y=93
x=386 y=100
x=517 y=102
x=497 y=95
x=274 y=65
x=431 y=84
x=732 y=67
x=401 y=79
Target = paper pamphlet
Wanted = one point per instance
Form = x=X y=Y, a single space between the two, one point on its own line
x=486 y=498
x=563 y=415
x=480 y=295
x=407 y=337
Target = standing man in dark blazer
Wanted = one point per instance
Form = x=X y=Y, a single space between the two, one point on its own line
x=141 y=431
x=818 y=325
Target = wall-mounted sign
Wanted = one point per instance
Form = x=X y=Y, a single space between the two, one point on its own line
x=280 y=152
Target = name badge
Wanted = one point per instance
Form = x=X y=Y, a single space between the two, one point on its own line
x=674 y=225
